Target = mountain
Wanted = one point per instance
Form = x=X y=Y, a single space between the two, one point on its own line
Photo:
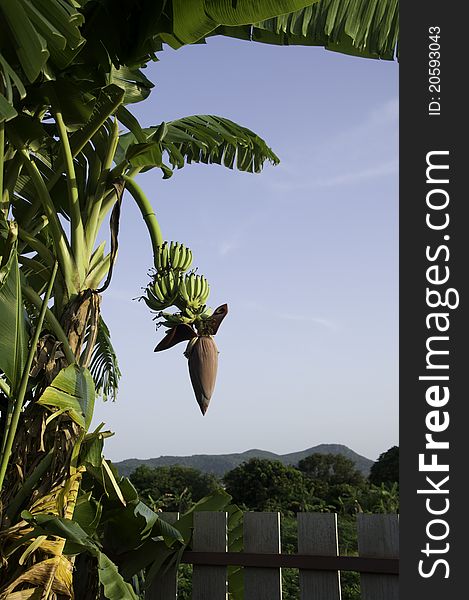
x=219 y=464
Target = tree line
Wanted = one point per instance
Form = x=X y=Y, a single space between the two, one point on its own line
x=319 y=483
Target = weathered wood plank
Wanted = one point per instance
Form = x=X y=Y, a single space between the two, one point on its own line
x=164 y=587
x=317 y=536
x=210 y=535
x=378 y=536
x=262 y=535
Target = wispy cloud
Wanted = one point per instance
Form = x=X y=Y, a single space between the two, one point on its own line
x=232 y=243
x=348 y=178
x=373 y=126
x=228 y=246
x=329 y=324
x=387 y=113
x=345 y=157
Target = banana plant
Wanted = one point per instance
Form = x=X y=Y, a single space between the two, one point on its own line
x=62 y=185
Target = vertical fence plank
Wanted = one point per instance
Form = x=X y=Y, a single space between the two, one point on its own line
x=317 y=535
x=164 y=587
x=262 y=535
x=210 y=535
x=378 y=537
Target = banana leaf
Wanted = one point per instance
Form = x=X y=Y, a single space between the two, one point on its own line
x=104 y=367
x=205 y=139
x=114 y=586
x=38 y=37
x=194 y=20
x=72 y=391
x=13 y=321
x=136 y=86
x=366 y=28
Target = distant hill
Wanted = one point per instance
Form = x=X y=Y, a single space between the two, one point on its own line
x=219 y=464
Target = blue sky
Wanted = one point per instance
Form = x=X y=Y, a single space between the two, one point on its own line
x=305 y=254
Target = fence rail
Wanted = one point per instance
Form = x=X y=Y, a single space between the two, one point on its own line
x=360 y=564
x=317 y=559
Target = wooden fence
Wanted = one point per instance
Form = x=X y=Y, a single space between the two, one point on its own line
x=317 y=558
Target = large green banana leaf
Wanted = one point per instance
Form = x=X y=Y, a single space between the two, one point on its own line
x=194 y=20
x=35 y=38
x=199 y=138
x=72 y=391
x=367 y=28
x=149 y=23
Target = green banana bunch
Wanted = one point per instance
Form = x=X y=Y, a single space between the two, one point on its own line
x=163 y=290
x=174 y=256
x=193 y=291
x=171 y=285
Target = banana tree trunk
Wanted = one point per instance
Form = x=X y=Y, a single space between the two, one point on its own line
x=42 y=476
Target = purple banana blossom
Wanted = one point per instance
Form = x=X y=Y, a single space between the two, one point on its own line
x=201 y=352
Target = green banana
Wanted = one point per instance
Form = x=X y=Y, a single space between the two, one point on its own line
x=161 y=257
x=194 y=290
x=187 y=259
x=205 y=289
x=173 y=254
x=153 y=301
x=163 y=286
x=157 y=290
x=183 y=289
x=164 y=256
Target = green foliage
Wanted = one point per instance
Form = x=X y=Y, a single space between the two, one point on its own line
x=261 y=484
x=104 y=367
x=332 y=469
x=208 y=139
x=72 y=391
x=368 y=28
x=386 y=468
x=382 y=499
x=265 y=485
x=175 y=488
x=332 y=476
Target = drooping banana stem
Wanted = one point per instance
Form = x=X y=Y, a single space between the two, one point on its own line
x=76 y=222
x=11 y=430
x=147 y=211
